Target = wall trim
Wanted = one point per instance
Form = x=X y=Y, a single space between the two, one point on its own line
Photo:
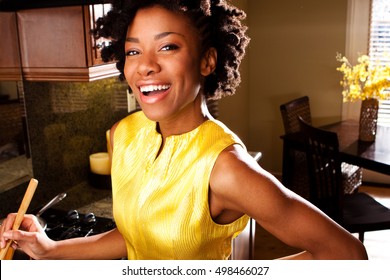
x=357 y=34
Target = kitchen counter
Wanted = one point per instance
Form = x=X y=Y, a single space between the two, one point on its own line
x=85 y=198
x=82 y=197
x=101 y=208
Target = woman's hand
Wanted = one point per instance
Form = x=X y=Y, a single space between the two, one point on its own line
x=30 y=237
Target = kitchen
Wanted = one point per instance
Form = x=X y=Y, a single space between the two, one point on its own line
x=69 y=104
x=67 y=120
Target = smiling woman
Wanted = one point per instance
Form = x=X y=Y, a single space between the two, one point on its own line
x=183 y=184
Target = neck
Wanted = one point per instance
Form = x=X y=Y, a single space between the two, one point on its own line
x=188 y=119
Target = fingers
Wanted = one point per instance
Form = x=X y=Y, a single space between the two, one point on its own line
x=6 y=236
x=9 y=221
x=30 y=237
x=27 y=241
x=14 y=245
x=29 y=223
x=5 y=226
x=18 y=235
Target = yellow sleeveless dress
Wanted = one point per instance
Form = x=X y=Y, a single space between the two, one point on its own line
x=160 y=204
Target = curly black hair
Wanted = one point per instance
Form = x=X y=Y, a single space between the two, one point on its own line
x=218 y=22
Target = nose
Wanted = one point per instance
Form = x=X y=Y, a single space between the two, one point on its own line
x=148 y=65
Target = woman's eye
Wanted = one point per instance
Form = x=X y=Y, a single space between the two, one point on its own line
x=131 y=53
x=171 y=47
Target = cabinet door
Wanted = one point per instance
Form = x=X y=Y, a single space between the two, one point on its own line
x=56 y=45
x=52 y=37
x=9 y=48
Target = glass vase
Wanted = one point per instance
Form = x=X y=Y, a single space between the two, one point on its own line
x=368 y=120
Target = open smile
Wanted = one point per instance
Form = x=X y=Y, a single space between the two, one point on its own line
x=153 y=89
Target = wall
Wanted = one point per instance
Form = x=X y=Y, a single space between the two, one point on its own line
x=67 y=121
x=291 y=54
x=234 y=110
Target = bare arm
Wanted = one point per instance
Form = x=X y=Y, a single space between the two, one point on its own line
x=107 y=245
x=239 y=185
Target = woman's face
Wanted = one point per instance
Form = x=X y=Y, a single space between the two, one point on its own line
x=163 y=63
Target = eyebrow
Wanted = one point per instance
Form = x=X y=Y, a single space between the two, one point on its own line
x=157 y=37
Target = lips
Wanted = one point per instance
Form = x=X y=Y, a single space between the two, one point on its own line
x=153 y=93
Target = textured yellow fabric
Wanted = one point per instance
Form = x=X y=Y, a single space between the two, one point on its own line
x=161 y=203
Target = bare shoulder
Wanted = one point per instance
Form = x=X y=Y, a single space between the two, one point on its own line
x=236 y=168
x=244 y=186
x=110 y=137
x=238 y=183
x=113 y=128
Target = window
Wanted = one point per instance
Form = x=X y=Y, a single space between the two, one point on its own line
x=359 y=21
x=379 y=46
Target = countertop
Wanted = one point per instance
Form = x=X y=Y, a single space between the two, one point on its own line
x=101 y=208
x=85 y=199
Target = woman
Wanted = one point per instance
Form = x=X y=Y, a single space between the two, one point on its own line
x=183 y=183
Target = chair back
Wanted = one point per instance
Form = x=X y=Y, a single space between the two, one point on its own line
x=324 y=166
x=290 y=111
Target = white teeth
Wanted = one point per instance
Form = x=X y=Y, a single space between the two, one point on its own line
x=153 y=88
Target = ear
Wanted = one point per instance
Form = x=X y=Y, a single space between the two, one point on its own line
x=209 y=62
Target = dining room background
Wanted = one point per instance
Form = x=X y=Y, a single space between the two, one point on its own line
x=293 y=53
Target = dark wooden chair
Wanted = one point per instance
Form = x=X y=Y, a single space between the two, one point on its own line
x=357 y=211
x=294 y=160
x=299 y=107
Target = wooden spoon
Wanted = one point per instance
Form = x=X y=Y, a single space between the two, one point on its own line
x=7 y=252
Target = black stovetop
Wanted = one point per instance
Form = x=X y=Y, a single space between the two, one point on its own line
x=63 y=224
x=68 y=224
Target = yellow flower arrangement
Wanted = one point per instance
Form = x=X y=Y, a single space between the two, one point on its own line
x=364 y=80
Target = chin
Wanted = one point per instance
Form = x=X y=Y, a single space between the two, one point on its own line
x=154 y=115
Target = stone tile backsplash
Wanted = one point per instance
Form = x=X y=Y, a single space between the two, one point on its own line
x=67 y=121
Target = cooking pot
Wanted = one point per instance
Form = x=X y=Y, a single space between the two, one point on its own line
x=51 y=203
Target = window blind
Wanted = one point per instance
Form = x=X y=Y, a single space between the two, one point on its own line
x=379 y=47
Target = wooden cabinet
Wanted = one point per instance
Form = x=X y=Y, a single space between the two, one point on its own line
x=9 y=48
x=55 y=44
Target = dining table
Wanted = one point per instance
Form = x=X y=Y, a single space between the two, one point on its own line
x=373 y=156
